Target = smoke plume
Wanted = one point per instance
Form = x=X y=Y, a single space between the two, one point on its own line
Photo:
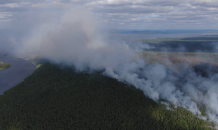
x=73 y=38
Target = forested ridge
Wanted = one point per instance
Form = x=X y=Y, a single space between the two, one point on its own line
x=60 y=99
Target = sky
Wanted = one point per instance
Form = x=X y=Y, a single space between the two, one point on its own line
x=122 y=14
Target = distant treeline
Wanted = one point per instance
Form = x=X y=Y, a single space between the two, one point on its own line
x=189 y=44
x=126 y=31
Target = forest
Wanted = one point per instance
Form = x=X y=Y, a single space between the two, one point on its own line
x=58 y=98
x=206 y=43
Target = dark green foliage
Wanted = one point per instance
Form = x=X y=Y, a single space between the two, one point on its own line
x=55 y=99
x=212 y=38
x=186 y=44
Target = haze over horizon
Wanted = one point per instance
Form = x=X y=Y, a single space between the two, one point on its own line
x=119 y=14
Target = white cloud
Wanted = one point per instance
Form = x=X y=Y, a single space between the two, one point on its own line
x=161 y=13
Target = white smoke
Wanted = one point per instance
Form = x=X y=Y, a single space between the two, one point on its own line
x=74 y=39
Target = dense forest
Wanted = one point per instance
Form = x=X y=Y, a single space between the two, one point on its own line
x=205 y=43
x=55 y=98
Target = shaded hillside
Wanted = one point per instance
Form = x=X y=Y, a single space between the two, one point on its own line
x=60 y=99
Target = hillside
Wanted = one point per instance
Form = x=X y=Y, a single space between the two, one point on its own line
x=60 y=99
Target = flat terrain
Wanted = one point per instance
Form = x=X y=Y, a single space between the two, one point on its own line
x=183 y=39
x=178 y=60
x=19 y=70
x=176 y=53
x=184 y=44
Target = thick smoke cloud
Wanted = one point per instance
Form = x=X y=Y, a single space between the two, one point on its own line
x=74 y=39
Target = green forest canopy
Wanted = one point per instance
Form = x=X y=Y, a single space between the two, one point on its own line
x=60 y=99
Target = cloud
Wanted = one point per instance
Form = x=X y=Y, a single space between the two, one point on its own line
x=136 y=9
x=188 y=12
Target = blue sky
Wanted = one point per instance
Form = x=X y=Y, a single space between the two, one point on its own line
x=123 y=14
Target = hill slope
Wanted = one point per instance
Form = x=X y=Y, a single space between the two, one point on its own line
x=60 y=99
